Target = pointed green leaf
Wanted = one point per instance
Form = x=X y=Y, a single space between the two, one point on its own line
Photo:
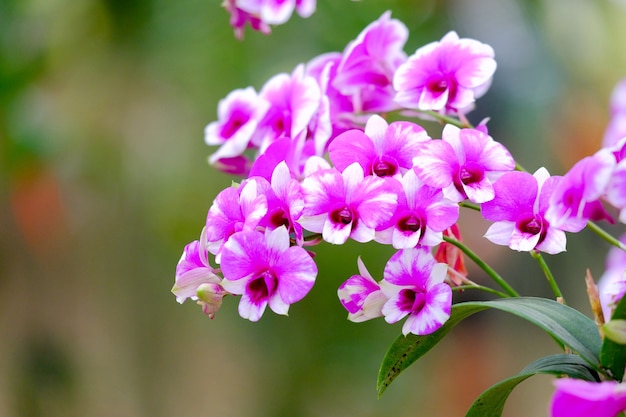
x=491 y=402
x=613 y=355
x=567 y=326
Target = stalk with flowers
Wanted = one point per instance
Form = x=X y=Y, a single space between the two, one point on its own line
x=320 y=162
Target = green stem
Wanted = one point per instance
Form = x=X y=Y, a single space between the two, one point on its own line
x=605 y=235
x=472 y=206
x=444 y=118
x=484 y=266
x=546 y=270
x=480 y=287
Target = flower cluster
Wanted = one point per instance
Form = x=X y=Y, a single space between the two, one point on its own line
x=260 y=14
x=322 y=164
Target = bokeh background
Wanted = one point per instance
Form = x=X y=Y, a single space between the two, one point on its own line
x=104 y=179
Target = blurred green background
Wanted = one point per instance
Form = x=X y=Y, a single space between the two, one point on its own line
x=104 y=179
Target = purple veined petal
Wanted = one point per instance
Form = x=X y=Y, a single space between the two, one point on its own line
x=434 y=314
x=432 y=101
x=523 y=242
x=277 y=240
x=409 y=267
x=297 y=271
x=336 y=233
x=353 y=292
x=240 y=255
x=375 y=129
x=313 y=223
x=349 y=147
x=402 y=141
x=322 y=191
x=578 y=398
x=405 y=240
x=253 y=203
x=435 y=163
x=500 y=232
x=441 y=215
x=363 y=270
x=476 y=71
x=277 y=12
x=598 y=173
x=304 y=101
x=392 y=311
x=278 y=305
x=554 y=242
x=353 y=181
x=188 y=282
x=515 y=195
x=377 y=201
x=372 y=308
x=362 y=233
x=479 y=192
x=437 y=275
x=250 y=310
x=281 y=180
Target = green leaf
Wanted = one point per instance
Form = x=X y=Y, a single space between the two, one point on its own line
x=491 y=402
x=567 y=326
x=613 y=355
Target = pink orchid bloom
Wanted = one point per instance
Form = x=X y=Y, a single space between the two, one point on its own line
x=414 y=284
x=294 y=102
x=366 y=69
x=464 y=163
x=196 y=279
x=518 y=210
x=263 y=13
x=382 y=150
x=285 y=202
x=421 y=216
x=576 y=199
x=265 y=270
x=234 y=210
x=361 y=296
x=239 y=115
x=346 y=204
x=579 y=398
x=445 y=76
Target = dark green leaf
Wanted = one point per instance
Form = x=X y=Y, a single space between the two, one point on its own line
x=491 y=402
x=613 y=355
x=567 y=326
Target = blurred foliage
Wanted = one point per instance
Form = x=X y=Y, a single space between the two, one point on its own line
x=103 y=180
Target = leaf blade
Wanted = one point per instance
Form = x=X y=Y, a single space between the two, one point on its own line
x=567 y=326
x=491 y=402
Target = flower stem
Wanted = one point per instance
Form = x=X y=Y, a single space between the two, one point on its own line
x=484 y=266
x=606 y=236
x=546 y=270
x=480 y=287
x=445 y=119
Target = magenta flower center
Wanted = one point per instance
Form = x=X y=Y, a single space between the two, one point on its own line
x=343 y=215
x=384 y=166
x=410 y=223
x=262 y=286
x=411 y=300
x=469 y=173
x=279 y=218
x=237 y=119
x=531 y=224
x=440 y=83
